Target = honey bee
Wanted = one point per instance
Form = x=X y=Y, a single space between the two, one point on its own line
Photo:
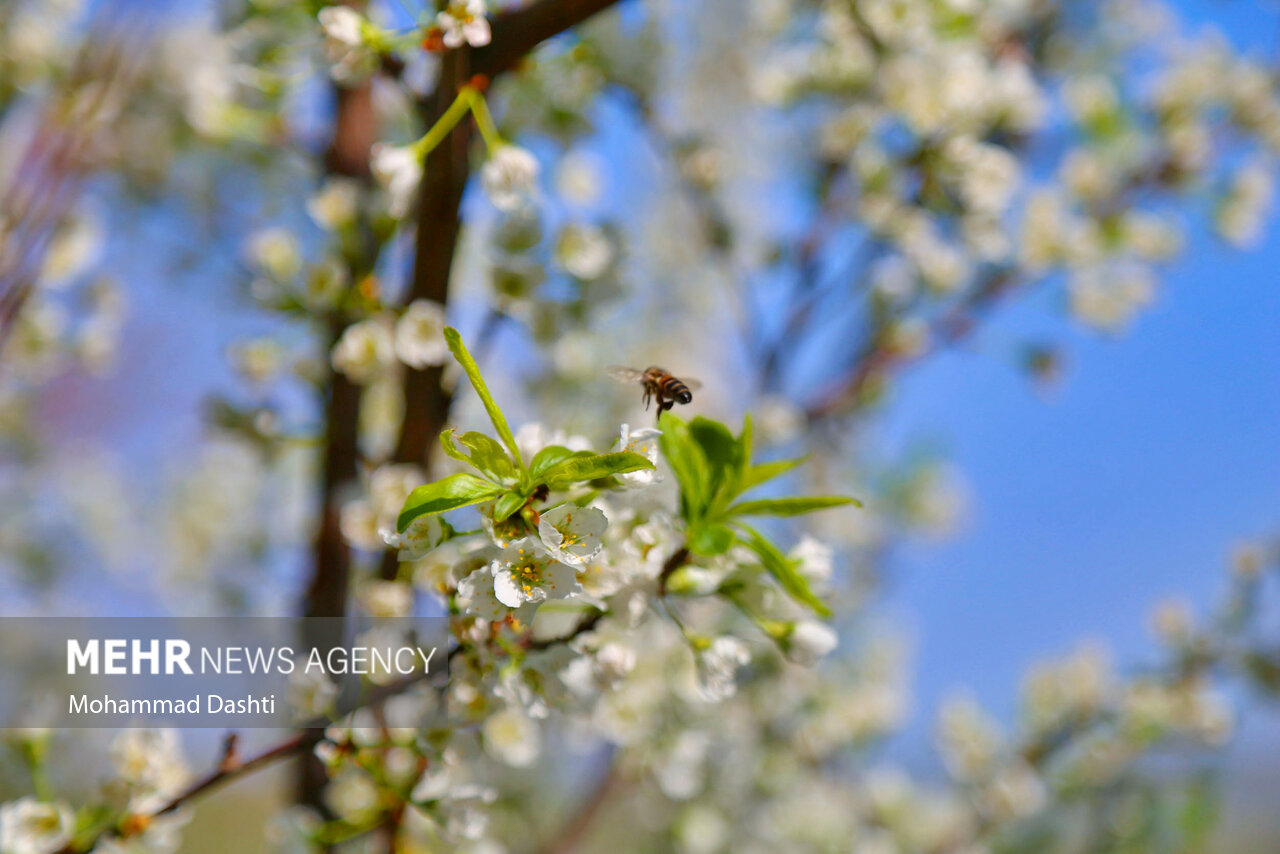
x=658 y=383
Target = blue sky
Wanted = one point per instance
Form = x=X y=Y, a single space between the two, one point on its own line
x=1125 y=484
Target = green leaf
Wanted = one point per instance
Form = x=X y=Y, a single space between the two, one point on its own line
x=718 y=444
x=508 y=504
x=790 y=506
x=469 y=365
x=784 y=570
x=451 y=448
x=456 y=490
x=593 y=466
x=687 y=463
x=764 y=472
x=725 y=460
x=710 y=540
x=488 y=456
x=548 y=457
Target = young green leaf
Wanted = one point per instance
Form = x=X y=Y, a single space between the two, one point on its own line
x=764 y=472
x=469 y=365
x=783 y=570
x=508 y=504
x=456 y=490
x=725 y=461
x=592 y=466
x=710 y=540
x=688 y=463
x=488 y=456
x=790 y=506
x=451 y=447
x=549 y=456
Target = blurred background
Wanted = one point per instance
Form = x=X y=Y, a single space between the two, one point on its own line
x=1041 y=472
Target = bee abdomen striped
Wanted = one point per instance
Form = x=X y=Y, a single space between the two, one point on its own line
x=675 y=389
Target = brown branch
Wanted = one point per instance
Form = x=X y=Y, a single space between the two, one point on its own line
x=326 y=595
x=226 y=770
x=518 y=32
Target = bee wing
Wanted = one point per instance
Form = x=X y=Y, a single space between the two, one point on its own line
x=624 y=375
x=693 y=384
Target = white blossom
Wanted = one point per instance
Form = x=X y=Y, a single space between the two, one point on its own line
x=345 y=45
x=718 y=663
x=336 y=204
x=702 y=829
x=29 y=826
x=418 y=539
x=524 y=572
x=533 y=437
x=151 y=761
x=571 y=534
x=353 y=795
x=1017 y=791
x=309 y=691
x=808 y=641
x=398 y=168
x=1108 y=297
x=585 y=251
x=364 y=351
x=420 y=334
x=578 y=177
x=814 y=559
x=968 y=739
x=258 y=359
x=343 y=27
x=476 y=595
x=1242 y=212
x=464 y=22
x=682 y=771
x=645 y=443
x=510 y=177
x=988 y=175
x=511 y=737
x=275 y=252
x=387 y=599
x=73 y=249
x=614 y=661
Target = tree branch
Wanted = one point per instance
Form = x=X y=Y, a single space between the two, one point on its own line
x=326 y=595
x=518 y=32
x=227 y=770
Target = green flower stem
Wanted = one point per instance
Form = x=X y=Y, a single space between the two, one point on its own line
x=484 y=119
x=469 y=99
x=445 y=123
